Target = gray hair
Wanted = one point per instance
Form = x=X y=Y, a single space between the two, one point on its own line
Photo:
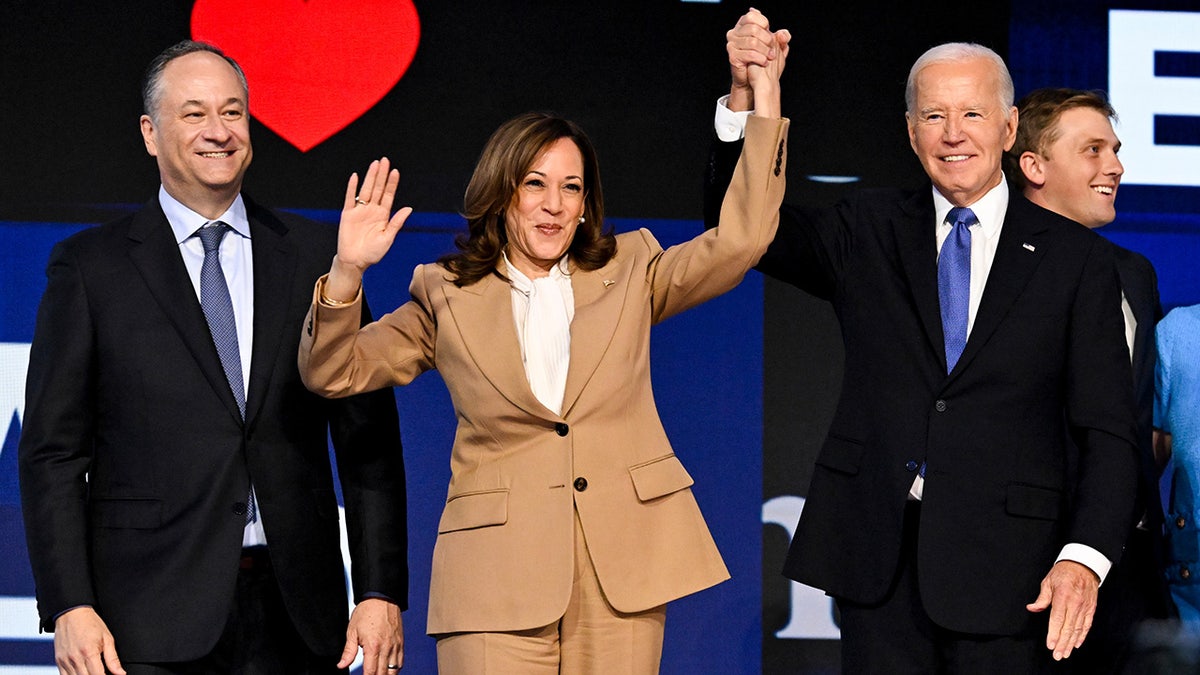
x=152 y=81
x=958 y=52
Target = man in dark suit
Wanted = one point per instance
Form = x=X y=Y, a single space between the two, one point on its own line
x=176 y=485
x=1065 y=160
x=978 y=332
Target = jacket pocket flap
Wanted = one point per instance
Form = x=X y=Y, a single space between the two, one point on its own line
x=474 y=509
x=659 y=477
x=1032 y=501
x=139 y=514
x=841 y=454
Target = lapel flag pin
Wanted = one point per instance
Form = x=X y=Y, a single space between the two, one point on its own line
x=1028 y=247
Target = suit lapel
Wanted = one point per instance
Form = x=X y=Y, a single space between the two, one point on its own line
x=916 y=240
x=274 y=269
x=599 y=301
x=156 y=256
x=483 y=315
x=1018 y=254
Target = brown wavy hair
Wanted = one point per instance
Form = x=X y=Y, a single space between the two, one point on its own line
x=507 y=157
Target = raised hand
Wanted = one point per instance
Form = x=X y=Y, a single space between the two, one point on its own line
x=365 y=232
x=764 y=79
x=749 y=42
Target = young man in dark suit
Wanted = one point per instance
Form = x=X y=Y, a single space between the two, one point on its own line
x=177 y=492
x=978 y=332
x=1065 y=160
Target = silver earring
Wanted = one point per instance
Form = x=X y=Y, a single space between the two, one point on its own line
x=581 y=219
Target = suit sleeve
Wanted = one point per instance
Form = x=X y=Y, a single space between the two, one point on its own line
x=808 y=244
x=1100 y=409
x=340 y=357
x=365 y=430
x=55 y=450
x=686 y=275
x=722 y=160
x=1157 y=300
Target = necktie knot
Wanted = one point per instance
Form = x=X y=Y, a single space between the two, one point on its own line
x=211 y=235
x=961 y=215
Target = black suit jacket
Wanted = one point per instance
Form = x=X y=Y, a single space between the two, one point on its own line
x=135 y=462
x=1140 y=286
x=1046 y=357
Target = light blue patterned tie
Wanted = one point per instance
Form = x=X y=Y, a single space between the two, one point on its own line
x=954 y=282
x=218 y=311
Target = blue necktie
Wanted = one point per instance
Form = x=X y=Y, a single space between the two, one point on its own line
x=218 y=311
x=954 y=282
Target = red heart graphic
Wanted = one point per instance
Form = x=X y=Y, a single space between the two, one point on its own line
x=314 y=67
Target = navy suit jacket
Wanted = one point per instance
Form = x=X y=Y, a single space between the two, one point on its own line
x=135 y=462
x=1046 y=357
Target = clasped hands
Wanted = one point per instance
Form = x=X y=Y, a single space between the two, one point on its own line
x=756 y=60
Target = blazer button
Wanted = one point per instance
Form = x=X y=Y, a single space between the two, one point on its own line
x=911 y=465
x=940 y=406
x=561 y=429
x=1184 y=572
x=239 y=508
x=1181 y=522
x=580 y=484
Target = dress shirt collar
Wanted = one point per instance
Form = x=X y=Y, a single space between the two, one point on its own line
x=184 y=221
x=524 y=284
x=989 y=209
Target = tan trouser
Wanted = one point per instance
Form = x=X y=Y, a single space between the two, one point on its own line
x=591 y=637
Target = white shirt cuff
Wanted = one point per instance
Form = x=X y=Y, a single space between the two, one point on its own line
x=730 y=125
x=1088 y=557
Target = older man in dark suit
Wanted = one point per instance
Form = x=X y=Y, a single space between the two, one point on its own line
x=176 y=485
x=1065 y=160
x=978 y=333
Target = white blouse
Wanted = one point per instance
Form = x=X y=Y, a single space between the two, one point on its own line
x=542 y=311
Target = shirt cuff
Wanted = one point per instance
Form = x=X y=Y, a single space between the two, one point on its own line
x=730 y=125
x=1088 y=557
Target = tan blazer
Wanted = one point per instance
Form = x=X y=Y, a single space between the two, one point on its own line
x=519 y=473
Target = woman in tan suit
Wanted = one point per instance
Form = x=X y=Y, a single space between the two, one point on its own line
x=569 y=522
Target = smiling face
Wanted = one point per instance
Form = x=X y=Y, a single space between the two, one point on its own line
x=1078 y=174
x=200 y=132
x=540 y=221
x=960 y=128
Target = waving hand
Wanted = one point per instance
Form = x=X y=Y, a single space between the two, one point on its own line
x=365 y=232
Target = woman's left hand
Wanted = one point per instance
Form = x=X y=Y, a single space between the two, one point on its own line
x=365 y=233
x=764 y=79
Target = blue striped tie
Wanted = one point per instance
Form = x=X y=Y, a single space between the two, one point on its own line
x=218 y=311
x=954 y=282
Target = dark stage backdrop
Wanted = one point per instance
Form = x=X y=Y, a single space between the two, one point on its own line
x=745 y=384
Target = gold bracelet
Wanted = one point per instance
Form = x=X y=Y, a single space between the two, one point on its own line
x=325 y=300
